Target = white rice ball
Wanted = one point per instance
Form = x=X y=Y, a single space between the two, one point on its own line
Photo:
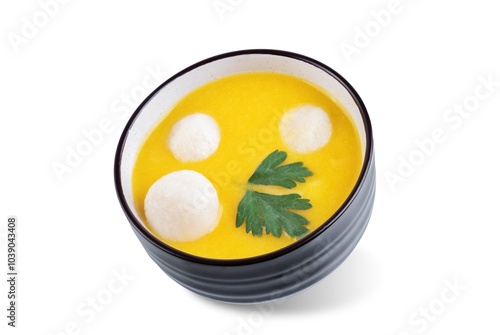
x=194 y=137
x=182 y=206
x=306 y=128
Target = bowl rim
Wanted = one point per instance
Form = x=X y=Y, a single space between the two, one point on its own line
x=273 y=254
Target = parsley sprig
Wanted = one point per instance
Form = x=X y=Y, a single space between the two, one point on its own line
x=269 y=211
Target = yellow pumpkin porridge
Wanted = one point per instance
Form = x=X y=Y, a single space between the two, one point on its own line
x=269 y=158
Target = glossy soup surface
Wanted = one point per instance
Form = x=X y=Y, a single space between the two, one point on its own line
x=248 y=108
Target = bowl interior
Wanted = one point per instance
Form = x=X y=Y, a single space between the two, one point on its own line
x=160 y=102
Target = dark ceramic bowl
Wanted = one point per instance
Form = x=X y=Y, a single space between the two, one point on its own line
x=280 y=273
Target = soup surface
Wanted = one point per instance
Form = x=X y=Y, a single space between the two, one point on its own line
x=248 y=109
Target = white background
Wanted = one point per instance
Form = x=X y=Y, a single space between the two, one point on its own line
x=438 y=226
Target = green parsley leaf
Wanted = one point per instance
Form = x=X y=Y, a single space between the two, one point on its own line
x=269 y=173
x=271 y=211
